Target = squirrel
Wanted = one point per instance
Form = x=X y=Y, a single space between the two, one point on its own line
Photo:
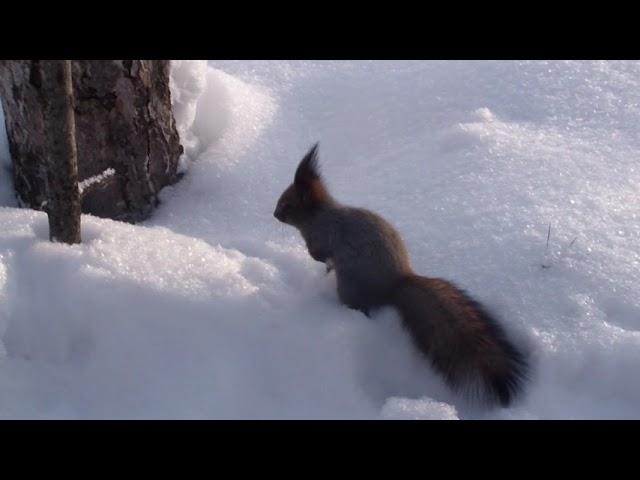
x=462 y=340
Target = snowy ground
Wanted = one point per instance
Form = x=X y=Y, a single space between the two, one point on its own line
x=213 y=309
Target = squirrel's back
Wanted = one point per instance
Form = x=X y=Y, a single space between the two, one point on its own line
x=366 y=249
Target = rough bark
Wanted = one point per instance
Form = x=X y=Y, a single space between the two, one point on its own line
x=123 y=121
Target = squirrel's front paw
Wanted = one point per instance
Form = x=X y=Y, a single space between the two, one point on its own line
x=329 y=265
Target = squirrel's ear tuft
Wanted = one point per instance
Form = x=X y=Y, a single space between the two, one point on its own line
x=308 y=170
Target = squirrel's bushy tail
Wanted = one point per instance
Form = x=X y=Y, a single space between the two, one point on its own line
x=462 y=340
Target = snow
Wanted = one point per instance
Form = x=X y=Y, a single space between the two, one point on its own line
x=88 y=182
x=213 y=309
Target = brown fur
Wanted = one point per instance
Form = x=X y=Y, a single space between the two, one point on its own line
x=461 y=339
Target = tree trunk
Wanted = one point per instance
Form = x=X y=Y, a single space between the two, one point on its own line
x=123 y=122
x=63 y=207
x=48 y=133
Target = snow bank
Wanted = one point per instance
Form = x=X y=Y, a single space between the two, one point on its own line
x=187 y=81
x=141 y=322
x=218 y=116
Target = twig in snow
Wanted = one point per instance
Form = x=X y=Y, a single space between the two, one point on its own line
x=100 y=180
x=546 y=250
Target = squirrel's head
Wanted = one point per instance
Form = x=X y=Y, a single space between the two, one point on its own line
x=305 y=195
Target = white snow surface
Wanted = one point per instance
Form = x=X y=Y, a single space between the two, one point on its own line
x=213 y=309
